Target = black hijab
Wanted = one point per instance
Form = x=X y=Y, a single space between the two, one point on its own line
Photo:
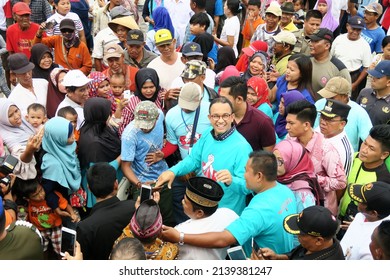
x=98 y=142
x=37 y=52
x=141 y=77
x=226 y=57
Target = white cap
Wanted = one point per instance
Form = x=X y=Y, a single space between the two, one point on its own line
x=75 y=78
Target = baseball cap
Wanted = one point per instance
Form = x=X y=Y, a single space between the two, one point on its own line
x=204 y=191
x=162 y=37
x=193 y=69
x=334 y=108
x=119 y=11
x=274 y=9
x=336 y=85
x=146 y=222
x=113 y=50
x=285 y=37
x=374 y=8
x=19 y=63
x=381 y=69
x=75 y=78
x=314 y=220
x=288 y=8
x=322 y=34
x=145 y=115
x=190 y=96
x=255 y=47
x=135 y=37
x=376 y=195
x=67 y=23
x=191 y=49
x=356 y=22
x=21 y=8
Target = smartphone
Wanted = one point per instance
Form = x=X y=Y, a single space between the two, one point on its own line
x=146 y=192
x=68 y=241
x=50 y=24
x=127 y=94
x=255 y=246
x=236 y=253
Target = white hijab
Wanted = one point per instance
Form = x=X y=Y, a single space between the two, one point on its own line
x=13 y=135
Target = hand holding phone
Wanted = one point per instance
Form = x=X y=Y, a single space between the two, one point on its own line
x=68 y=241
x=236 y=253
x=145 y=193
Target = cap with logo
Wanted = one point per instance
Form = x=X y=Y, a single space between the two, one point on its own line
x=191 y=49
x=288 y=8
x=19 y=63
x=67 y=23
x=193 y=69
x=376 y=195
x=21 y=8
x=381 y=69
x=145 y=115
x=135 y=37
x=119 y=11
x=334 y=108
x=374 y=8
x=113 y=50
x=336 y=85
x=356 y=22
x=204 y=191
x=147 y=221
x=162 y=37
x=285 y=37
x=316 y=221
x=322 y=34
x=75 y=78
x=190 y=96
x=274 y=9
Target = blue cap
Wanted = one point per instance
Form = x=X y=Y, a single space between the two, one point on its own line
x=382 y=69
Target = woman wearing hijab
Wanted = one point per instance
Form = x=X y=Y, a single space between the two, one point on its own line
x=296 y=170
x=148 y=88
x=229 y=71
x=55 y=91
x=280 y=123
x=162 y=20
x=258 y=95
x=100 y=87
x=257 y=67
x=19 y=138
x=98 y=142
x=43 y=60
x=60 y=166
x=328 y=21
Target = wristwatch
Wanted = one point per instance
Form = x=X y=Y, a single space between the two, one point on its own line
x=181 y=238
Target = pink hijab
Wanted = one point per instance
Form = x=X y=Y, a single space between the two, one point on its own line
x=97 y=79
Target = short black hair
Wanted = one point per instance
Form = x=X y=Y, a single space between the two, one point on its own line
x=201 y=4
x=234 y=6
x=66 y=110
x=128 y=249
x=381 y=133
x=101 y=178
x=202 y=19
x=28 y=187
x=304 y=110
x=313 y=14
x=222 y=100
x=383 y=238
x=385 y=41
x=36 y=107
x=254 y=3
x=237 y=85
x=264 y=162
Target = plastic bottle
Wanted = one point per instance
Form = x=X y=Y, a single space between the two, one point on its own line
x=22 y=214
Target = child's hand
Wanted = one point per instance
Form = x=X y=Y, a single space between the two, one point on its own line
x=123 y=103
x=61 y=212
x=75 y=218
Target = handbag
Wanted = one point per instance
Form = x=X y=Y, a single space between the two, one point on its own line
x=123 y=189
x=78 y=198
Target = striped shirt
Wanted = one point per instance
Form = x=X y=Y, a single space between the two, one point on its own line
x=344 y=147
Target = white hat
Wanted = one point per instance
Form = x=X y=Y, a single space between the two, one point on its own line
x=190 y=96
x=285 y=37
x=75 y=78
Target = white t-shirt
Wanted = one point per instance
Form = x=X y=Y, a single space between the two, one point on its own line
x=214 y=223
x=23 y=97
x=79 y=109
x=337 y=6
x=209 y=80
x=231 y=28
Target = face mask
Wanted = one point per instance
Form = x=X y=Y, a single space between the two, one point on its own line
x=68 y=36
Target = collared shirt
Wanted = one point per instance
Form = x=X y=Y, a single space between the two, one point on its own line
x=147 y=57
x=378 y=108
x=302 y=44
x=290 y=27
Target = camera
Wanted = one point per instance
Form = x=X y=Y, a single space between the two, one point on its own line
x=7 y=166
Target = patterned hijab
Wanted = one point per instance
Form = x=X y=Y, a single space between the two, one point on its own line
x=96 y=79
x=54 y=95
x=259 y=85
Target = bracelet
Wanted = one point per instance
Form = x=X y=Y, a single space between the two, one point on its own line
x=181 y=239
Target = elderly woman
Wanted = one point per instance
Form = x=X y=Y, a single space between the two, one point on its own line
x=42 y=58
x=69 y=51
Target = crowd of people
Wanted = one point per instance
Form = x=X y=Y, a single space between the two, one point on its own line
x=263 y=124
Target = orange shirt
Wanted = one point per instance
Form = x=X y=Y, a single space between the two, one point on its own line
x=129 y=72
x=246 y=30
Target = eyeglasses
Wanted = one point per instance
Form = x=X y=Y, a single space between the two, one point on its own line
x=225 y=117
x=329 y=120
x=279 y=161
